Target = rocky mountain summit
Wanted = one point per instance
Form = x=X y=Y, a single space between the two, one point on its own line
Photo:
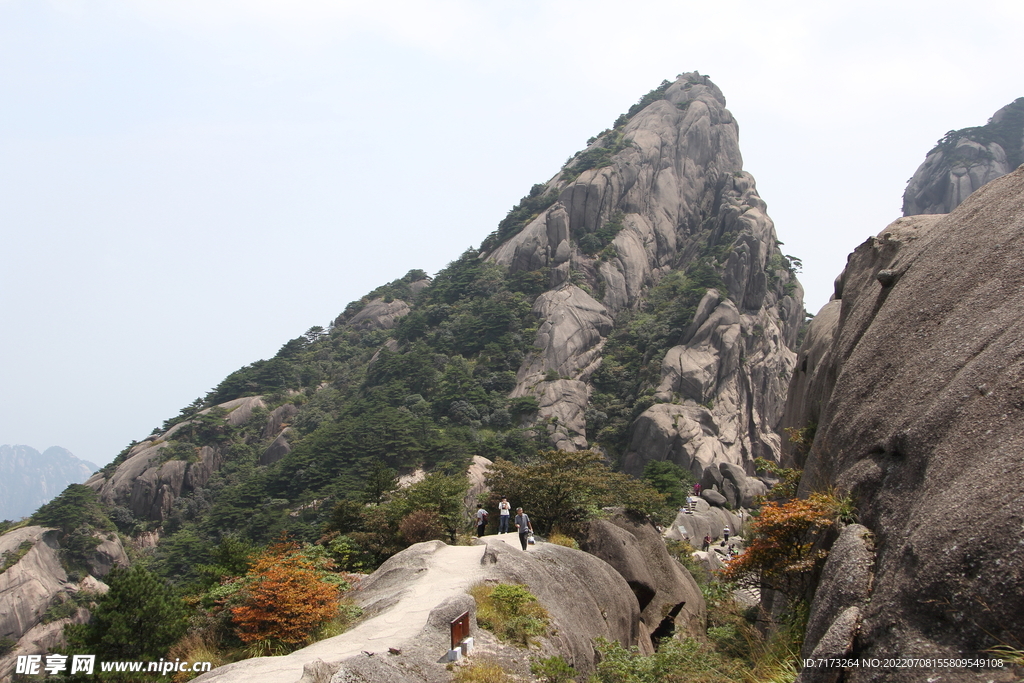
x=29 y=478
x=966 y=159
x=662 y=194
x=911 y=382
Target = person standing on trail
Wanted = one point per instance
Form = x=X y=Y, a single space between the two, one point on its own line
x=707 y=542
x=504 y=512
x=725 y=534
x=525 y=527
x=481 y=520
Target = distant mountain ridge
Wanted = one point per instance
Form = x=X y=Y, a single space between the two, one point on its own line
x=29 y=478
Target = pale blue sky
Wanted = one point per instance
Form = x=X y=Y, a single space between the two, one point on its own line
x=184 y=186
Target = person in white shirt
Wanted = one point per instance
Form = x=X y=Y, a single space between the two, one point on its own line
x=504 y=512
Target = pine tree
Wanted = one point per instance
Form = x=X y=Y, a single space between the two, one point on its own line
x=138 y=619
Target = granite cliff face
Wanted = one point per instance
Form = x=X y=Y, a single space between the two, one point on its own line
x=37 y=582
x=669 y=197
x=966 y=159
x=914 y=380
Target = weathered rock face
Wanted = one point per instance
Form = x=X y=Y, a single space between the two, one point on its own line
x=380 y=314
x=37 y=581
x=148 y=485
x=841 y=597
x=917 y=388
x=965 y=160
x=670 y=600
x=674 y=189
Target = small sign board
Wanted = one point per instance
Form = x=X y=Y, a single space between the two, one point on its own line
x=460 y=629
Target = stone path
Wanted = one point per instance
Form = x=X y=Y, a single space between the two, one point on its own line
x=451 y=570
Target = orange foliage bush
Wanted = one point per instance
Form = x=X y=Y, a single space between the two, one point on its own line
x=783 y=554
x=286 y=599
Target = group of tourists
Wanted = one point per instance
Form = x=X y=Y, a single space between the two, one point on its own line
x=522 y=521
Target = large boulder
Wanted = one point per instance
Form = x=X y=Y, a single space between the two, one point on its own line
x=705 y=520
x=669 y=599
x=843 y=592
x=923 y=399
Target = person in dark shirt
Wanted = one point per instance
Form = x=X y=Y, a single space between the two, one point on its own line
x=481 y=520
x=524 y=525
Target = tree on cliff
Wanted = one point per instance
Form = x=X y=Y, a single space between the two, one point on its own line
x=140 y=617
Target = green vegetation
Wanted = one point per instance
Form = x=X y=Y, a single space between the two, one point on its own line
x=510 y=611
x=561 y=490
x=676 y=661
x=139 y=618
x=670 y=480
x=75 y=507
x=520 y=215
x=631 y=359
x=789 y=478
x=481 y=672
x=553 y=670
x=592 y=243
x=10 y=559
x=1007 y=133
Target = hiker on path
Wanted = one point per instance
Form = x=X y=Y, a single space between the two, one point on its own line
x=481 y=520
x=725 y=534
x=524 y=525
x=707 y=542
x=504 y=512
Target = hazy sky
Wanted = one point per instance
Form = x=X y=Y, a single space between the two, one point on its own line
x=186 y=185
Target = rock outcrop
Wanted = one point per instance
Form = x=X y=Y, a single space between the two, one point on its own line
x=966 y=159
x=669 y=599
x=148 y=480
x=380 y=315
x=36 y=581
x=671 y=195
x=914 y=380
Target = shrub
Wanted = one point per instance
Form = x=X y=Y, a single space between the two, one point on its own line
x=562 y=539
x=286 y=600
x=481 y=672
x=421 y=525
x=553 y=670
x=784 y=554
x=677 y=661
x=10 y=559
x=510 y=611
